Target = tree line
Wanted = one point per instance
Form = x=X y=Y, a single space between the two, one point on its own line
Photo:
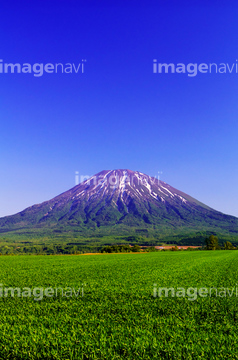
x=212 y=243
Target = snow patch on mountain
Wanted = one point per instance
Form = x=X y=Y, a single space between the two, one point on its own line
x=183 y=200
x=167 y=190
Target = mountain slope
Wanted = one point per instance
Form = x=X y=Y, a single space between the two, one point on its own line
x=122 y=199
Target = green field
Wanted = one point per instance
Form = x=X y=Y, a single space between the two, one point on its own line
x=118 y=317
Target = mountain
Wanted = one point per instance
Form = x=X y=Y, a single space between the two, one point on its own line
x=122 y=201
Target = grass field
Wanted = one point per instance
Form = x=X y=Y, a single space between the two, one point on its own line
x=118 y=317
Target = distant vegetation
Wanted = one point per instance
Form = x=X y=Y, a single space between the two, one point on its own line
x=213 y=244
x=107 y=244
x=120 y=249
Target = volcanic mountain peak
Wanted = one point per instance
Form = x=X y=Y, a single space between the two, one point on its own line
x=118 y=180
x=125 y=200
x=124 y=183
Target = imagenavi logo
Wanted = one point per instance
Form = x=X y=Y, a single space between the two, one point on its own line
x=192 y=69
x=39 y=69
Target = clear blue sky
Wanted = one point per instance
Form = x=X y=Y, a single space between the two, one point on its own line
x=118 y=114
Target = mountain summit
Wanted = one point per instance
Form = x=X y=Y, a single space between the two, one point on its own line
x=123 y=200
